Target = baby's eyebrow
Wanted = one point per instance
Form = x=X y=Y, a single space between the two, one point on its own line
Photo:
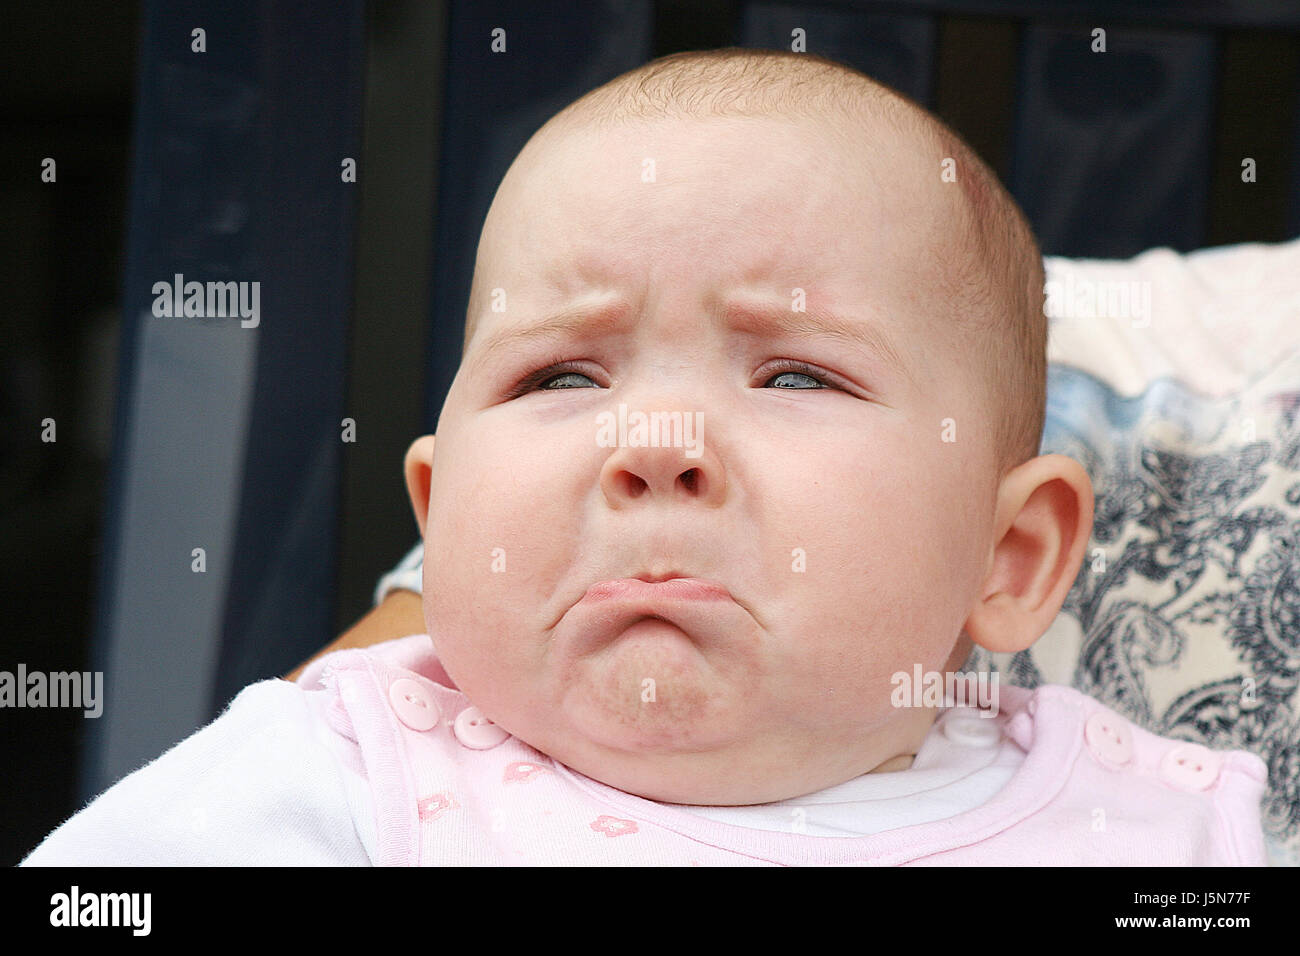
x=773 y=320
x=593 y=320
x=779 y=320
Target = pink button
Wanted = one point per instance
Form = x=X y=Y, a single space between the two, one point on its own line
x=477 y=732
x=1109 y=738
x=1020 y=728
x=413 y=704
x=1191 y=767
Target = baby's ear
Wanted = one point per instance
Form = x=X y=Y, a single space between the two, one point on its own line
x=418 y=468
x=1041 y=531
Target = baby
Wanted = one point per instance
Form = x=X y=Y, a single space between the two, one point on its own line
x=669 y=610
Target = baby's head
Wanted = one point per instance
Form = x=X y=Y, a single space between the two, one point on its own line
x=843 y=308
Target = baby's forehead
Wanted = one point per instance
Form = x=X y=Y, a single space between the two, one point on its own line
x=795 y=162
x=814 y=195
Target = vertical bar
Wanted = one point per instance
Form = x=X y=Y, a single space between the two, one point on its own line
x=226 y=435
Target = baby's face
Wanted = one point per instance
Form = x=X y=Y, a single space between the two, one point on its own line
x=850 y=538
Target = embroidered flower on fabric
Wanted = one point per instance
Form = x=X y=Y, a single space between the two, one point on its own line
x=613 y=826
x=522 y=770
x=434 y=806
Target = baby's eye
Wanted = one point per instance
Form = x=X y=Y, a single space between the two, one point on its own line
x=558 y=372
x=554 y=378
x=561 y=377
x=797 y=370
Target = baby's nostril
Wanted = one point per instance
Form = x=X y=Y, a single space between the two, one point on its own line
x=688 y=479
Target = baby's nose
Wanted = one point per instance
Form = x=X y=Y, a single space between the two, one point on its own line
x=659 y=455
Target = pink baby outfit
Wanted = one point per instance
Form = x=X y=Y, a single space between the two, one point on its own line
x=1094 y=789
x=425 y=780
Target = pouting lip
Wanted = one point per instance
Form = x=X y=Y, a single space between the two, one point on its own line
x=705 y=610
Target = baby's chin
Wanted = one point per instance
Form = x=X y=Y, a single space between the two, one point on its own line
x=653 y=714
x=680 y=717
x=653 y=690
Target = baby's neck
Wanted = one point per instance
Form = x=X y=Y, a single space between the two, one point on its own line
x=901 y=762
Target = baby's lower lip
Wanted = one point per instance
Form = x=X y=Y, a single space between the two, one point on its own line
x=681 y=589
x=704 y=610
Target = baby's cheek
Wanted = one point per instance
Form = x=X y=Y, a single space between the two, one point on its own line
x=476 y=549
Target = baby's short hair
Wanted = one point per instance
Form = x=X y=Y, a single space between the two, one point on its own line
x=997 y=288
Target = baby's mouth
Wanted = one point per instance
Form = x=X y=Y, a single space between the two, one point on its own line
x=703 y=610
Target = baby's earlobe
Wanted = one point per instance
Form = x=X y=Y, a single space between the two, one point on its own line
x=418 y=469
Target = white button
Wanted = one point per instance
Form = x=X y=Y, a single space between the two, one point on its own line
x=971 y=731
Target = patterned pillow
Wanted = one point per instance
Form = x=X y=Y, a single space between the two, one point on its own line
x=1175 y=381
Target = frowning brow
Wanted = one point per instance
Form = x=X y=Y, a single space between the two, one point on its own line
x=778 y=320
x=771 y=321
x=581 y=320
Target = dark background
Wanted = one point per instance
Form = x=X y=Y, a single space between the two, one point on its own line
x=406 y=88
